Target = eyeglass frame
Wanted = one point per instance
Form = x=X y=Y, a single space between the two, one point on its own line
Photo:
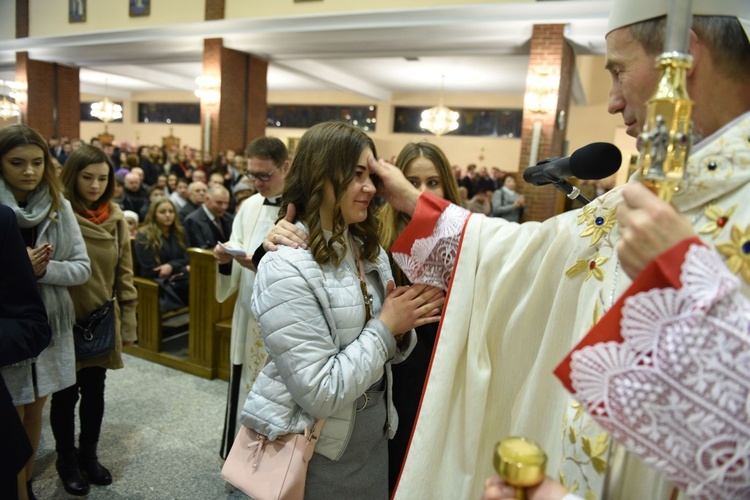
x=264 y=177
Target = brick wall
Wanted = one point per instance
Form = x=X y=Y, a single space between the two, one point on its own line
x=550 y=52
x=241 y=114
x=48 y=112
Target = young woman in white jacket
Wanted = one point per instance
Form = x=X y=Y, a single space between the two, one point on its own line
x=333 y=321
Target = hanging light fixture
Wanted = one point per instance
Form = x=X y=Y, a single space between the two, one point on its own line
x=209 y=89
x=439 y=120
x=106 y=110
x=8 y=109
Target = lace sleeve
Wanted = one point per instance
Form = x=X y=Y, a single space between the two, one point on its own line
x=676 y=391
x=431 y=259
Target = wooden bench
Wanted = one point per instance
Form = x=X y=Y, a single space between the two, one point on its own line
x=209 y=327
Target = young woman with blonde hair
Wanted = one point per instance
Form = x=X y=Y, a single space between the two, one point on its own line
x=427 y=168
x=161 y=250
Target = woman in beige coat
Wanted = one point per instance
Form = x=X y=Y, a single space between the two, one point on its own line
x=88 y=181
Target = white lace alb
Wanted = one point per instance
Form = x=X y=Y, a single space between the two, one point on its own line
x=676 y=391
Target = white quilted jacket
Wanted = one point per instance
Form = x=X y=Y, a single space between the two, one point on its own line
x=322 y=356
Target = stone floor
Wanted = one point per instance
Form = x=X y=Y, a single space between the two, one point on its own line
x=160 y=438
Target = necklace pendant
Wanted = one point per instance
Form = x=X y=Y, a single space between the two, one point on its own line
x=368 y=301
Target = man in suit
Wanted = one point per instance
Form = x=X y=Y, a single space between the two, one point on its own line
x=211 y=223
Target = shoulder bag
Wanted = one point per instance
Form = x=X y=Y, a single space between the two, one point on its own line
x=271 y=470
x=95 y=335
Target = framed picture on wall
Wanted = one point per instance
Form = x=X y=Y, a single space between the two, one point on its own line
x=140 y=8
x=76 y=11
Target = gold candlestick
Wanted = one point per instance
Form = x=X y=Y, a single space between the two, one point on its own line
x=520 y=462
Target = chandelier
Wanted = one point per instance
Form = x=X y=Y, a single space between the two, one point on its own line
x=439 y=120
x=9 y=109
x=209 y=89
x=106 y=110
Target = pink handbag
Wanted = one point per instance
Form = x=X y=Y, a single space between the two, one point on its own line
x=271 y=470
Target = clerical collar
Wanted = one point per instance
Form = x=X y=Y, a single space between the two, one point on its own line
x=274 y=202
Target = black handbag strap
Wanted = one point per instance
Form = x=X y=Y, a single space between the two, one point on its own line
x=117 y=264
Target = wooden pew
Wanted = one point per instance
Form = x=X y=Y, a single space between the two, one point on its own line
x=209 y=326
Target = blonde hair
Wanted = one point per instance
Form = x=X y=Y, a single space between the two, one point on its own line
x=393 y=222
x=153 y=235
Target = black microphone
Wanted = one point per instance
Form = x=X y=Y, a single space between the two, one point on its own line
x=595 y=161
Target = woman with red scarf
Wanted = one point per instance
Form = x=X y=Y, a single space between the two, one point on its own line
x=88 y=181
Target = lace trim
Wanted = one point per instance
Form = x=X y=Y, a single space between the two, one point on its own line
x=432 y=259
x=676 y=391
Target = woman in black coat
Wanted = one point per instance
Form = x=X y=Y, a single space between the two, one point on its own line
x=24 y=333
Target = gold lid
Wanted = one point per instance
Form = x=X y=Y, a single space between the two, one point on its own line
x=520 y=462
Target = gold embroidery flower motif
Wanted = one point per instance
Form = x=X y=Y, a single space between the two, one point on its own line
x=598 y=226
x=586 y=214
x=592 y=268
x=737 y=252
x=718 y=219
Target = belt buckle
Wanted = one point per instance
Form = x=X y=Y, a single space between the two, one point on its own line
x=367 y=401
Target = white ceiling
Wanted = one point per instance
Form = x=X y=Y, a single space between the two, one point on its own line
x=479 y=49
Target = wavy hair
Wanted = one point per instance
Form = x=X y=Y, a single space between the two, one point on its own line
x=329 y=151
x=393 y=222
x=78 y=160
x=14 y=136
x=153 y=235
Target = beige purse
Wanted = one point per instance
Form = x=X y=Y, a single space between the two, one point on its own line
x=271 y=470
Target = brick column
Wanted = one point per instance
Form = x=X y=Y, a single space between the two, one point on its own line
x=240 y=116
x=54 y=96
x=550 y=55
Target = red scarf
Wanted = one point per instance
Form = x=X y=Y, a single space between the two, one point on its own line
x=98 y=215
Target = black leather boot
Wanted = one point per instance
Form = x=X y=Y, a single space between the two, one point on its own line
x=91 y=468
x=67 y=468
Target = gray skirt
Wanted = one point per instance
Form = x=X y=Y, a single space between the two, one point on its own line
x=362 y=470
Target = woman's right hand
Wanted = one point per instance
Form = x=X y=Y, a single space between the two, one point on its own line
x=40 y=257
x=407 y=307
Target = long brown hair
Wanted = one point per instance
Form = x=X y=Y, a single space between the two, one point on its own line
x=329 y=151
x=78 y=160
x=14 y=136
x=393 y=222
x=152 y=233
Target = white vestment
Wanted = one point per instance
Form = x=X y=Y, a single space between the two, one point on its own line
x=520 y=299
x=251 y=225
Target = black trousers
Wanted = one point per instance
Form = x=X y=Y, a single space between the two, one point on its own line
x=90 y=385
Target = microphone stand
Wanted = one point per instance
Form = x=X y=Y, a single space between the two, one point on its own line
x=571 y=191
x=567 y=189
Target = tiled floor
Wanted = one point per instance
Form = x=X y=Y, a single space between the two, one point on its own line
x=160 y=438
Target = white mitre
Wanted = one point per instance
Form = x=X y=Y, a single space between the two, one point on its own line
x=627 y=12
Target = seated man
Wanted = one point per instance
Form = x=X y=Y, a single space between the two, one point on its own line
x=134 y=196
x=196 y=197
x=180 y=195
x=210 y=223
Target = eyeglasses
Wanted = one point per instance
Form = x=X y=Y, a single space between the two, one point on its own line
x=265 y=177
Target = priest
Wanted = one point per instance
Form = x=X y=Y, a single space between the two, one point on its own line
x=521 y=296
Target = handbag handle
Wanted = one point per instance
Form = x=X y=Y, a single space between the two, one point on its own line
x=312 y=438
